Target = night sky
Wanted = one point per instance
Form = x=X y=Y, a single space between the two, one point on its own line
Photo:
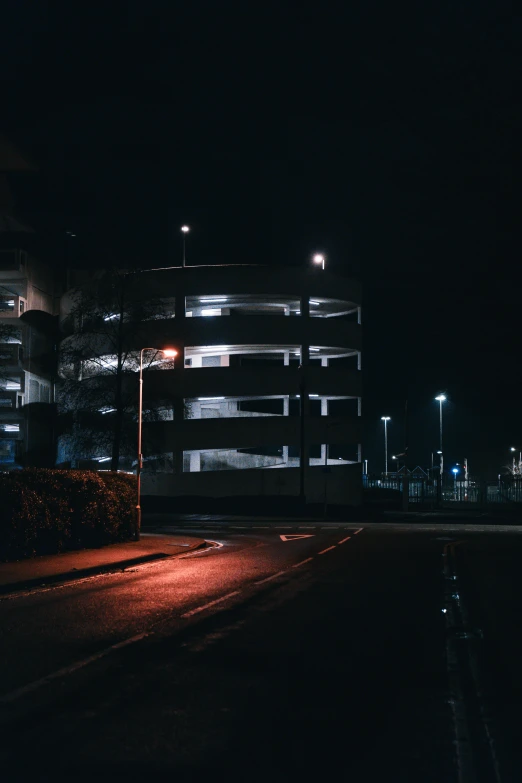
x=386 y=135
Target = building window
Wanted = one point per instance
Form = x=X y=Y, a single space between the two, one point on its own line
x=241 y=305
x=7 y=451
x=235 y=408
x=9 y=428
x=196 y=461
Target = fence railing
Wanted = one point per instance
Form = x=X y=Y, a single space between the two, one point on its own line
x=420 y=490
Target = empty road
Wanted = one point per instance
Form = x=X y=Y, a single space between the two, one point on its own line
x=284 y=652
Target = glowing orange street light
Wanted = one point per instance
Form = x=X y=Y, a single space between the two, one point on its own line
x=169 y=353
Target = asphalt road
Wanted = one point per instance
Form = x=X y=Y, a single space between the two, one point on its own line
x=381 y=653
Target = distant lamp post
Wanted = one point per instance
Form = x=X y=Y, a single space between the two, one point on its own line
x=397 y=461
x=515 y=470
x=385 y=419
x=184 y=231
x=168 y=353
x=440 y=399
x=319 y=259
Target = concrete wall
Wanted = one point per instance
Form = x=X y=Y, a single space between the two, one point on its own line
x=343 y=483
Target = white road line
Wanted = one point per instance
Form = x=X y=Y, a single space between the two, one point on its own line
x=306 y=527
x=33 y=686
x=344 y=540
x=326 y=550
x=357 y=531
x=274 y=576
x=302 y=562
x=211 y=603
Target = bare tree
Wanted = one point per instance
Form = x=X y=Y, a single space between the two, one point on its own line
x=99 y=362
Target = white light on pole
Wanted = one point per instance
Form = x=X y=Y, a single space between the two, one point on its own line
x=168 y=353
x=385 y=419
x=184 y=231
x=440 y=399
x=319 y=259
x=397 y=461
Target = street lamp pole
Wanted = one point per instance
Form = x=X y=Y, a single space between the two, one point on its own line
x=385 y=419
x=169 y=353
x=184 y=231
x=440 y=399
x=319 y=259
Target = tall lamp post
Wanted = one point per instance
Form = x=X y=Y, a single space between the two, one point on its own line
x=513 y=449
x=168 y=353
x=184 y=231
x=440 y=399
x=385 y=419
x=319 y=259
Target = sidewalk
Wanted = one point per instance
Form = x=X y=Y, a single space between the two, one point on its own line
x=67 y=566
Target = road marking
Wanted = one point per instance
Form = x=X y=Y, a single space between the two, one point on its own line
x=306 y=527
x=268 y=578
x=213 y=545
x=326 y=550
x=211 y=603
x=345 y=539
x=294 y=536
x=33 y=686
x=357 y=531
x=308 y=559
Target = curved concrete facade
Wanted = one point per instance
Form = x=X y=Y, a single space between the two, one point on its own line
x=267 y=380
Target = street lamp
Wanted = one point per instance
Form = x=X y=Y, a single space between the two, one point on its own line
x=184 y=231
x=513 y=449
x=385 y=419
x=319 y=259
x=440 y=399
x=168 y=353
x=397 y=461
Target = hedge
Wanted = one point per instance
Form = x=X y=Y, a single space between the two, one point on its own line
x=43 y=511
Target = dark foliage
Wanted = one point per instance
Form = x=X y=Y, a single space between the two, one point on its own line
x=44 y=511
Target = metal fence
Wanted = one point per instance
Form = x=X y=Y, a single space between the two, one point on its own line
x=505 y=490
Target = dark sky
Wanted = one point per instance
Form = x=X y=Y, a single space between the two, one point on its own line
x=387 y=135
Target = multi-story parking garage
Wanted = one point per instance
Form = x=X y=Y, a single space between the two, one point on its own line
x=265 y=393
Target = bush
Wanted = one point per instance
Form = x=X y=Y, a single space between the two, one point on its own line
x=44 y=511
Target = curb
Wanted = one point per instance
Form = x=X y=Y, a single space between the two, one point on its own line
x=82 y=573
